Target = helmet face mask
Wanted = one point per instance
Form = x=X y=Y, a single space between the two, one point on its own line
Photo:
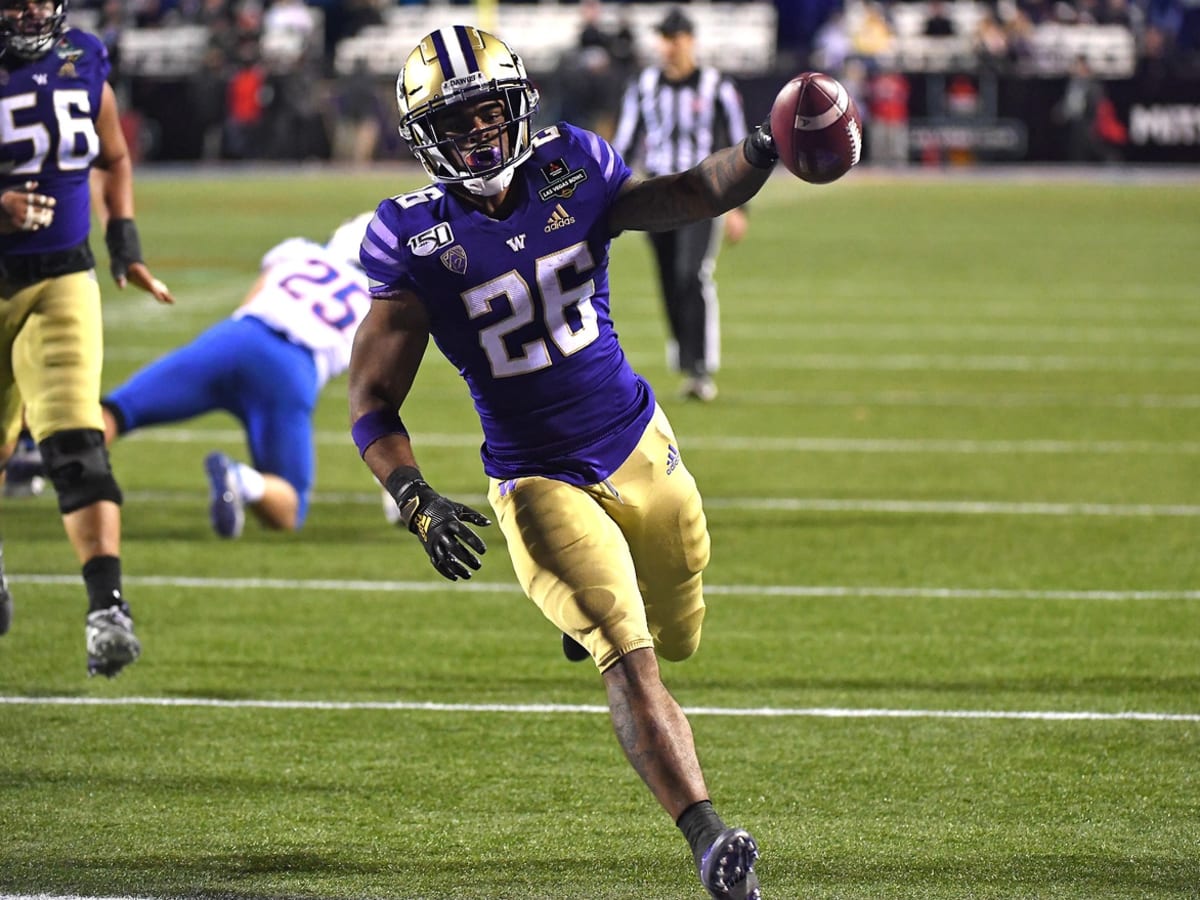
x=29 y=28
x=465 y=108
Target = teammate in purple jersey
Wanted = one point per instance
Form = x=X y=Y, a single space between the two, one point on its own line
x=503 y=261
x=59 y=129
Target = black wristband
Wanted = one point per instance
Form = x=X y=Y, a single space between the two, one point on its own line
x=759 y=147
x=124 y=246
x=401 y=481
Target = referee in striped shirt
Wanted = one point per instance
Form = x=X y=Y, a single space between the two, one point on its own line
x=672 y=116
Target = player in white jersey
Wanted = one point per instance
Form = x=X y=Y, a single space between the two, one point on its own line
x=265 y=365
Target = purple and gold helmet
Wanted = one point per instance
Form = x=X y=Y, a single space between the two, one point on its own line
x=460 y=64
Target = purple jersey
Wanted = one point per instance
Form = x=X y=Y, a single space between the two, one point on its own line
x=48 y=111
x=521 y=307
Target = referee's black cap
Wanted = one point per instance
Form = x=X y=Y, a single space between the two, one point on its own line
x=675 y=22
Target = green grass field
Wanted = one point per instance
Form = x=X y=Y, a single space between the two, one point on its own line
x=953 y=645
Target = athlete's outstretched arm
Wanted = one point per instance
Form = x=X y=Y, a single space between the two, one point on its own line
x=718 y=183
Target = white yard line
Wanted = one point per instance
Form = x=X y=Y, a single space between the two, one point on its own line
x=586 y=709
x=764 y=444
x=954 y=507
x=728 y=590
x=969 y=400
x=806 y=504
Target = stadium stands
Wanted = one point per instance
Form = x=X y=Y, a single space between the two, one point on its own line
x=738 y=36
x=1110 y=50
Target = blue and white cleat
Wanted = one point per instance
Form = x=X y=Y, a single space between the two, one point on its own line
x=727 y=868
x=111 y=643
x=226 y=509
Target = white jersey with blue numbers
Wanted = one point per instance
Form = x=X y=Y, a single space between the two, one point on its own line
x=520 y=306
x=314 y=298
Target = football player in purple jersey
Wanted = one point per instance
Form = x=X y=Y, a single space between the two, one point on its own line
x=59 y=131
x=503 y=261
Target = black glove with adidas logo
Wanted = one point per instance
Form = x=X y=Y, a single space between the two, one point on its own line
x=438 y=522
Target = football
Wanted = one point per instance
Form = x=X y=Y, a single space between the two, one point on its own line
x=816 y=127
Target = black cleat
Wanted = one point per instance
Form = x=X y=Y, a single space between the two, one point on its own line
x=727 y=868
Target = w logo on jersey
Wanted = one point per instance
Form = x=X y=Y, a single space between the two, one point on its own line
x=41 y=78
x=516 y=243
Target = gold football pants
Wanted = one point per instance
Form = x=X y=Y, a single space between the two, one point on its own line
x=51 y=351
x=617 y=565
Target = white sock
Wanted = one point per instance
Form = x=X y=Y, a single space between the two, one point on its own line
x=250 y=482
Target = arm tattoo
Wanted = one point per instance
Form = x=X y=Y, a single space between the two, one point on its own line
x=714 y=186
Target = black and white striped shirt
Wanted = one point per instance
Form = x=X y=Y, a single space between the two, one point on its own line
x=671 y=126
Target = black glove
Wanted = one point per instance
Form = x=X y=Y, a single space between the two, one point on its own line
x=124 y=246
x=759 y=146
x=438 y=523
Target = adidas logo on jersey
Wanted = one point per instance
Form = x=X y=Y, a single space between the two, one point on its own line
x=560 y=218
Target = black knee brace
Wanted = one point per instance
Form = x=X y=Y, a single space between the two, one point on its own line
x=77 y=465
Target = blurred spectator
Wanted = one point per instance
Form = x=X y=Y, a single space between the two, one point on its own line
x=856 y=78
x=146 y=13
x=1124 y=13
x=1155 y=64
x=290 y=16
x=289 y=39
x=109 y=27
x=831 y=44
x=962 y=97
x=357 y=15
x=873 y=35
x=245 y=104
x=1093 y=132
x=593 y=73
x=247 y=20
x=799 y=21
x=358 y=115
x=1164 y=15
x=1018 y=32
x=294 y=126
x=938 y=22
x=207 y=90
x=222 y=36
x=990 y=43
x=887 y=136
x=1187 y=39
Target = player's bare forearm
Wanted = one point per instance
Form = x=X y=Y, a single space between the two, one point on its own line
x=715 y=185
x=388 y=348
x=384 y=359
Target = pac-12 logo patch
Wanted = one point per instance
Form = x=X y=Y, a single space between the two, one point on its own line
x=455 y=259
